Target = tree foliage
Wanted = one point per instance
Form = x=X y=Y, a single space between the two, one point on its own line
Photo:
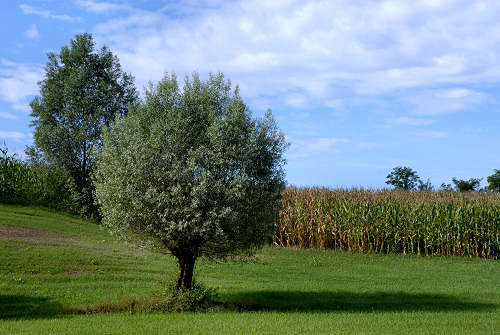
x=82 y=91
x=403 y=177
x=425 y=186
x=494 y=181
x=472 y=184
x=446 y=187
x=193 y=169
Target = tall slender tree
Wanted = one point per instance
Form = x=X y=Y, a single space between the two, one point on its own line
x=82 y=91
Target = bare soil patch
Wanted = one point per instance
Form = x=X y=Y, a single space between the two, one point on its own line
x=27 y=234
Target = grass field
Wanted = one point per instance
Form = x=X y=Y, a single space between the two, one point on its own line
x=53 y=264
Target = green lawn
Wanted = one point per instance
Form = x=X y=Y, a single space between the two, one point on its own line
x=52 y=263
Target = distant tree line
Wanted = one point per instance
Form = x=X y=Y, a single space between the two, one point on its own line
x=405 y=178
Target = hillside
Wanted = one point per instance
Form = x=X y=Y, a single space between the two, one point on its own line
x=55 y=266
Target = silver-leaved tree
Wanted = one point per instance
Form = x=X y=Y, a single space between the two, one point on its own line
x=192 y=168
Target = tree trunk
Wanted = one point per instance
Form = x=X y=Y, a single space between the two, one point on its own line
x=186 y=267
x=84 y=163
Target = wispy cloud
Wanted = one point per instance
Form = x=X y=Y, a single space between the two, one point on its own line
x=27 y=9
x=432 y=134
x=316 y=146
x=190 y=7
x=367 y=145
x=408 y=121
x=18 y=82
x=15 y=136
x=296 y=100
x=32 y=32
x=102 y=7
x=442 y=101
x=7 y=115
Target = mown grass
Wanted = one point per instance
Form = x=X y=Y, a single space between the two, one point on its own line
x=57 y=264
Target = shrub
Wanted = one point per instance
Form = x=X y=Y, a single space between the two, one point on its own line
x=195 y=299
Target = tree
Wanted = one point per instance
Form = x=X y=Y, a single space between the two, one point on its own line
x=403 y=178
x=467 y=185
x=446 y=187
x=427 y=186
x=82 y=91
x=191 y=168
x=494 y=181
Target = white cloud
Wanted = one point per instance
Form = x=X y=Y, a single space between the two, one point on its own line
x=7 y=115
x=296 y=100
x=46 y=13
x=321 y=50
x=101 y=7
x=189 y=7
x=441 y=101
x=367 y=145
x=473 y=130
x=407 y=121
x=433 y=134
x=18 y=83
x=316 y=146
x=455 y=93
x=32 y=32
x=15 y=136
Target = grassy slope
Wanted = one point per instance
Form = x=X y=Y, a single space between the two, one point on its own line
x=67 y=262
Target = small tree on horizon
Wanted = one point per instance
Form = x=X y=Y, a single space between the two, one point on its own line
x=494 y=181
x=472 y=184
x=425 y=186
x=446 y=187
x=191 y=168
x=402 y=177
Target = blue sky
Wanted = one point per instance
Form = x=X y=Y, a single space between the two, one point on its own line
x=358 y=87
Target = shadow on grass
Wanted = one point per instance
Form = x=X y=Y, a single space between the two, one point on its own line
x=22 y=306
x=28 y=307
x=345 y=301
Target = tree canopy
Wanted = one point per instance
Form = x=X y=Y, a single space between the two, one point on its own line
x=472 y=184
x=494 y=181
x=405 y=178
x=192 y=168
x=425 y=186
x=82 y=91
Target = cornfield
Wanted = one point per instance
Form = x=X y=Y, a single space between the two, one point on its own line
x=39 y=184
x=428 y=223
x=17 y=181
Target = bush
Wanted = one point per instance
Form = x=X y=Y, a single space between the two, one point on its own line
x=196 y=299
